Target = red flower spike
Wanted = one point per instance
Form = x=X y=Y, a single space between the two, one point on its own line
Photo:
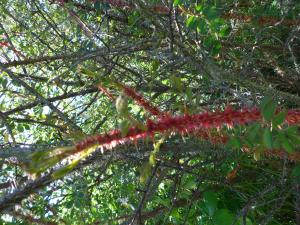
x=141 y=100
x=4 y=44
x=106 y=92
x=187 y=124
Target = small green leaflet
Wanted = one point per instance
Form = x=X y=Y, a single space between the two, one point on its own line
x=191 y=22
x=268 y=108
x=223 y=217
x=296 y=171
x=235 y=142
x=267 y=138
x=285 y=142
x=210 y=13
x=211 y=202
x=177 y=2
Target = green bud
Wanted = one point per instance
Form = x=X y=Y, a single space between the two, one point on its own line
x=122 y=104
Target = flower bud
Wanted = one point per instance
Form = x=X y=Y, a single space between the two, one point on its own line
x=122 y=104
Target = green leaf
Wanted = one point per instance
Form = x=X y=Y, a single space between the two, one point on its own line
x=292 y=130
x=235 y=142
x=276 y=143
x=154 y=65
x=163 y=201
x=133 y=18
x=248 y=142
x=211 y=13
x=223 y=217
x=145 y=172
x=217 y=24
x=285 y=143
x=267 y=138
x=279 y=118
x=213 y=45
x=211 y=202
x=296 y=171
x=253 y=132
x=240 y=221
x=26 y=126
x=152 y=159
x=288 y=146
x=268 y=108
x=97 y=6
x=20 y=128
x=175 y=214
x=177 y=84
x=224 y=31
x=294 y=138
x=189 y=93
x=202 y=26
x=199 y=8
x=42 y=166
x=40 y=155
x=190 y=184
x=191 y=22
x=90 y=73
x=64 y=170
x=124 y=127
x=4 y=83
x=257 y=155
x=177 y=2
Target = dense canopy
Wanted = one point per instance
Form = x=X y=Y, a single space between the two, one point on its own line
x=150 y=112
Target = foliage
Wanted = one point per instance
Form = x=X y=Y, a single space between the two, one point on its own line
x=149 y=112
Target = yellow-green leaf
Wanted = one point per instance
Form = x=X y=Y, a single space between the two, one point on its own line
x=257 y=155
x=267 y=138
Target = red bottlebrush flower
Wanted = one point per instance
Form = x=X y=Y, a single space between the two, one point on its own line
x=141 y=100
x=4 y=44
x=295 y=156
x=106 y=92
x=293 y=117
x=186 y=124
